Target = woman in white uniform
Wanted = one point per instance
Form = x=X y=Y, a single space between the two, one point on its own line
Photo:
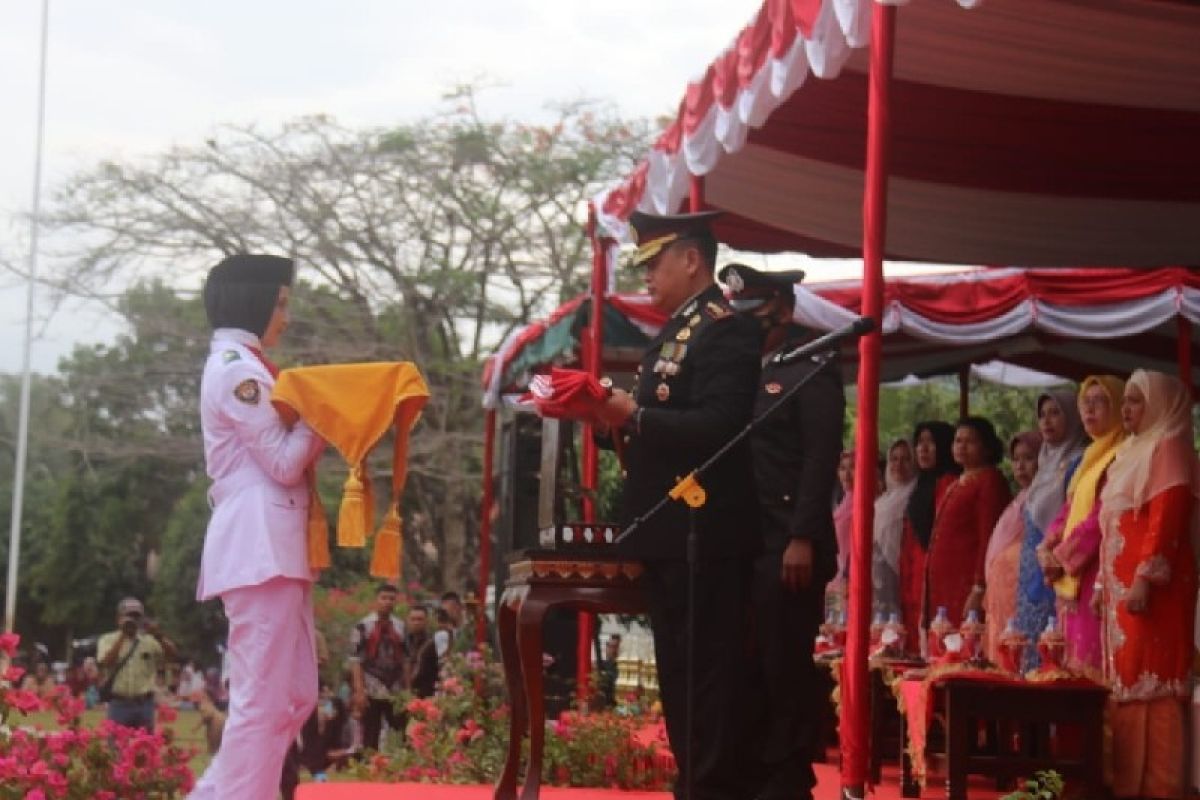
x=255 y=555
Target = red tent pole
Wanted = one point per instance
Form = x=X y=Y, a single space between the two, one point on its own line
x=485 y=524
x=855 y=686
x=594 y=361
x=696 y=194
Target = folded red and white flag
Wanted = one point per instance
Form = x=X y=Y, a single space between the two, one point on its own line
x=567 y=394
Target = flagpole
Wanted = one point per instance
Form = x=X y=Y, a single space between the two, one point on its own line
x=14 y=534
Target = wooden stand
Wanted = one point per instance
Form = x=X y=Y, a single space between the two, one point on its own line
x=538 y=581
x=1030 y=708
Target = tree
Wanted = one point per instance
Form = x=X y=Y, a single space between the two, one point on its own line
x=1010 y=409
x=195 y=628
x=438 y=236
x=45 y=461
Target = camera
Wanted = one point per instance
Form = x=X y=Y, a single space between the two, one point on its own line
x=82 y=648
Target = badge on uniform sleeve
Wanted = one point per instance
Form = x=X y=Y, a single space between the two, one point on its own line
x=247 y=391
x=663 y=392
x=773 y=388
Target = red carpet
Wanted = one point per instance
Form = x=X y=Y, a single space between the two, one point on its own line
x=827 y=789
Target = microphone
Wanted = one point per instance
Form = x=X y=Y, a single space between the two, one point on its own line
x=830 y=341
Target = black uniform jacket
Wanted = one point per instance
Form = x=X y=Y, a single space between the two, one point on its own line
x=796 y=453
x=696 y=385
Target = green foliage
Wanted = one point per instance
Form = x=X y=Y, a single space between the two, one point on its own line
x=1011 y=409
x=196 y=628
x=1045 y=785
x=337 y=610
x=93 y=551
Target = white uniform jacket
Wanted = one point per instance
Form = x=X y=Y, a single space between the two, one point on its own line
x=259 y=494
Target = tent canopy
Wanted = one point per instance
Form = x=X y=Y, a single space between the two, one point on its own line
x=1033 y=132
x=1067 y=322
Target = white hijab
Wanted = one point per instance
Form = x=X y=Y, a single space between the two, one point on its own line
x=889 y=515
x=1046 y=494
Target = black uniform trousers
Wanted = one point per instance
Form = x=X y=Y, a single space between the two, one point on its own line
x=786 y=625
x=721 y=669
x=372 y=721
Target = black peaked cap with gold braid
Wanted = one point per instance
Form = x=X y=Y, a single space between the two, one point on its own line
x=652 y=232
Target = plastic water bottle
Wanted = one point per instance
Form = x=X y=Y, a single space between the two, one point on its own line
x=938 y=630
x=893 y=635
x=972 y=633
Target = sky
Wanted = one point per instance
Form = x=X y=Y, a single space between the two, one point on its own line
x=131 y=78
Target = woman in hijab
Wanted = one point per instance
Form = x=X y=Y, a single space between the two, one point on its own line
x=1147 y=585
x=936 y=472
x=899 y=481
x=1070 y=554
x=843 y=523
x=1062 y=445
x=1003 y=560
x=963 y=524
x=255 y=548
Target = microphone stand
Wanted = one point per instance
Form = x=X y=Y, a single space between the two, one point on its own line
x=689 y=491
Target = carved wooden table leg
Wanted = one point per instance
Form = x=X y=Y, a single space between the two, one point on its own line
x=518 y=722
x=879 y=697
x=958 y=743
x=530 y=616
x=909 y=787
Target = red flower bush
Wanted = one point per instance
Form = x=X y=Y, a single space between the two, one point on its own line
x=109 y=763
x=460 y=735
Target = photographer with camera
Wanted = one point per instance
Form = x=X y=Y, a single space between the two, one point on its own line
x=130 y=657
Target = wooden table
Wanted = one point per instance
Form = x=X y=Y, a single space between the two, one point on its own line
x=538 y=581
x=1033 y=706
x=1028 y=708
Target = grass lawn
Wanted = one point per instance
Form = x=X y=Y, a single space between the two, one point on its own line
x=188 y=732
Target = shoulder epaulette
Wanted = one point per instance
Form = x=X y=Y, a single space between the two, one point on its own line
x=716 y=310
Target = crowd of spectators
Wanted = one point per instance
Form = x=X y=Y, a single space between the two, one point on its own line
x=1091 y=540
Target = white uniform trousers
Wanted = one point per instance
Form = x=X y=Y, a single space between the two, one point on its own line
x=272 y=688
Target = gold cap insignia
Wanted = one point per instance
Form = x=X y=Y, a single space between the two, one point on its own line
x=646 y=252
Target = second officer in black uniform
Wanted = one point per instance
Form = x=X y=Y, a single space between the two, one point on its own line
x=695 y=390
x=796 y=451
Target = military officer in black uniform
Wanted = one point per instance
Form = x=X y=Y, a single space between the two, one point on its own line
x=694 y=391
x=796 y=451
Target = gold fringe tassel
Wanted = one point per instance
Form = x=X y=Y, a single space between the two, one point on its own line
x=389 y=546
x=352 y=516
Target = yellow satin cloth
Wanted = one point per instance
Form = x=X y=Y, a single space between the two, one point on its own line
x=352 y=406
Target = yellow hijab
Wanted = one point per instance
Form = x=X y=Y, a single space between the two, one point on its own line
x=1096 y=458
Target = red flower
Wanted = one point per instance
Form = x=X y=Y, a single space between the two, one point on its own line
x=23 y=701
